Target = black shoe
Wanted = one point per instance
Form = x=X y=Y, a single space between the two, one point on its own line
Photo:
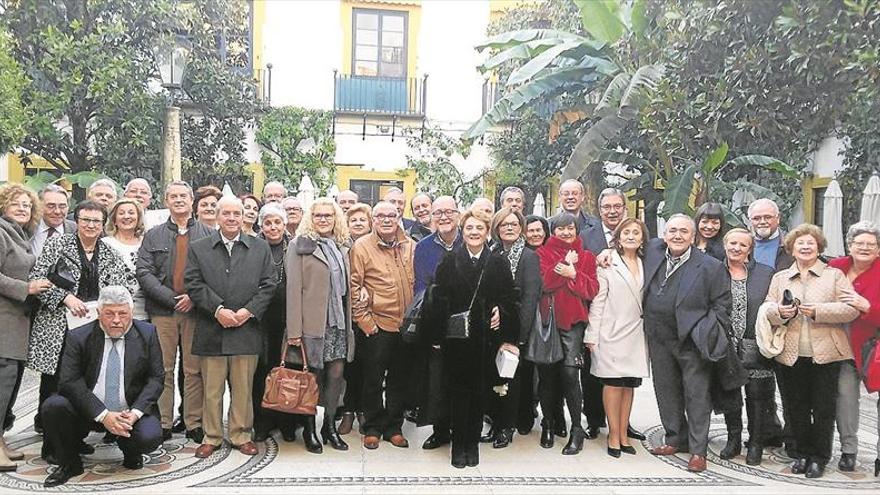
x=876 y=467
x=111 y=438
x=361 y=420
x=62 y=474
x=288 y=433
x=310 y=436
x=459 y=459
x=260 y=434
x=546 y=434
x=576 y=441
x=592 y=433
x=38 y=424
x=847 y=463
x=472 y=454
x=614 y=452
x=134 y=463
x=733 y=447
x=435 y=441
x=628 y=449
x=86 y=449
x=799 y=466
x=166 y=434
x=560 y=430
x=331 y=436
x=503 y=438
x=179 y=426
x=524 y=430
x=635 y=435
x=197 y=435
x=754 y=454
x=411 y=415
x=815 y=470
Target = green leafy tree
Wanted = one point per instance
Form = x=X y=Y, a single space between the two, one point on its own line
x=297 y=141
x=13 y=114
x=860 y=157
x=431 y=154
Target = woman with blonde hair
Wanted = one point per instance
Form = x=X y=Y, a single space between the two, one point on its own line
x=319 y=309
x=125 y=233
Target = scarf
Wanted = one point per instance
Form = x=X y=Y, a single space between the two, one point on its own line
x=335 y=309
x=89 y=279
x=514 y=254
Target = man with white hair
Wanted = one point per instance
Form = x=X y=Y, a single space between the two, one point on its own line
x=421 y=208
x=485 y=205
x=396 y=196
x=514 y=198
x=769 y=249
x=103 y=192
x=274 y=192
x=571 y=199
x=139 y=190
x=346 y=199
x=54 y=220
x=110 y=377
x=294 y=210
x=231 y=279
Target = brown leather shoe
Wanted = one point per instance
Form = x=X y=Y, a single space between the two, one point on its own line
x=399 y=440
x=664 y=450
x=697 y=464
x=248 y=448
x=205 y=450
x=371 y=442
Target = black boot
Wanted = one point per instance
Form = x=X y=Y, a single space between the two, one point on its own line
x=734 y=436
x=329 y=433
x=546 y=433
x=459 y=455
x=503 y=438
x=310 y=436
x=575 y=441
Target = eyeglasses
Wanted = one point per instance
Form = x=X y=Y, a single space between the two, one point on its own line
x=323 y=216
x=90 y=221
x=864 y=245
x=612 y=207
x=762 y=218
x=24 y=206
x=382 y=217
x=294 y=209
x=54 y=207
x=509 y=225
x=444 y=213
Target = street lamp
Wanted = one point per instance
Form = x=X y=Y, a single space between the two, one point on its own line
x=171 y=53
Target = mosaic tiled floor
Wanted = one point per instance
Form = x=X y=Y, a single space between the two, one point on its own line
x=283 y=467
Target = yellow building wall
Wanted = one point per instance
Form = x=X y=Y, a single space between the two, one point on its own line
x=346 y=173
x=808 y=189
x=414 y=23
x=17 y=168
x=259 y=21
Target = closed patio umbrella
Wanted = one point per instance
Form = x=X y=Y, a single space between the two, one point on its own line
x=538 y=208
x=832 y=219
x=306 y=194
x=871 y=201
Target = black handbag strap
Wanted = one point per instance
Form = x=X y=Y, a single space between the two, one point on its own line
x=302 y=349
x=477 y=289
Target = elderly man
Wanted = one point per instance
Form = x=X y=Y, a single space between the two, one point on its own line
x=421 y=208
x=484 y=204
x=54 y=221
x=382 y=266
x=396 y=197
x=571 y=198
x=294 y=211
x=346 y=199
x=428 y=253
x=139 y=190
x=687 y=307
x=274 y=192
x=231 y=279
x=764 y=218
x=514 y=198
x=103 y=192
x=110 y=378
x=160 y=270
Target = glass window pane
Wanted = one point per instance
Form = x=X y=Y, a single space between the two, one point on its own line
x=366 y=52
x=393 y=70
x=367 y=21
x=366 y=37
x=392 y=39
x=392 y=23
x=392 y=55
x=364 y=68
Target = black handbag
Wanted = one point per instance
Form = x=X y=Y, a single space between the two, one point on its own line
x=61 y=276
x=459 y=324
x=545 y=344
x=751 y=356
x=409 y=331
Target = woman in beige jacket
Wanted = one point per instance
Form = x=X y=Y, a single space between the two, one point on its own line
x=319 y=309
x=815 y=344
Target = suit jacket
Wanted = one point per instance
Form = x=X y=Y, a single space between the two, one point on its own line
x=584 y=221
x=703 y=302
x=144 y=374
x=407 y=223
x=246 y=280
x=593 y=239
x=16 y=261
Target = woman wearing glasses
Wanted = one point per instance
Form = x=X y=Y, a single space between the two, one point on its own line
x=319 y=309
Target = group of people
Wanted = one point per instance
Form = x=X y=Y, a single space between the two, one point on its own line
x=118 y=305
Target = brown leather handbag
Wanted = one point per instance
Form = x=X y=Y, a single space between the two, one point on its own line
x=289 y=390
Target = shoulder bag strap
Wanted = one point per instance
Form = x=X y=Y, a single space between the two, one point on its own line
x=477 y=289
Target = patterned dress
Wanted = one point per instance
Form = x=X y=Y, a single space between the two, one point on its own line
x=738 y=321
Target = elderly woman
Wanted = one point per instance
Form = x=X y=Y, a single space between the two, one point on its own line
x=862 y=268
x=710 y=230
x=319 y=309
x=249 y=221
x=750 y=282
x=19 y=216
x=360 y=223
x=617 y=336
x=537 y=231
x=273 y=222
x=569 y=275
x=205 y=205
x=79 y=266
x=515 y=409
x=125 y=232
x=815 y=344
x=474 y=284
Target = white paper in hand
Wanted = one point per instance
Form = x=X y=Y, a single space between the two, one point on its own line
x=91 y=315
x=506 y=362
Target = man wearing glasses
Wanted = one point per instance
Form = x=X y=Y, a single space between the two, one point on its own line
x=764 y=218
x=294 y=211
x=54 y=221
x=382 y=267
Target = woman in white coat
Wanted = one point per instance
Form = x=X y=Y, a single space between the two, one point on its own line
x=616 y=335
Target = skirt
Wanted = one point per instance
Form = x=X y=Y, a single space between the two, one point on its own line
x=573 y=345
x=625 y=381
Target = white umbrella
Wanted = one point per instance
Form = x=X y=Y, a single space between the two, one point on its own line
x=306 y=194
x=227 y=190
x=832 y=219
x=538 y=208
x=333 y=191
x=871 y=201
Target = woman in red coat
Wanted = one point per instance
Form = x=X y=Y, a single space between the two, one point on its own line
x=862 y=268
x=569 y=275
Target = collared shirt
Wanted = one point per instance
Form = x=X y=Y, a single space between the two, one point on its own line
x=449 y=247
x=475 y=257
x=230 y=243
x=42 y=235
x=673 y=263
x=98 y=390
x=609 y=233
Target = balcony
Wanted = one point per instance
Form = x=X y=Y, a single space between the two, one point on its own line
x=392 y=96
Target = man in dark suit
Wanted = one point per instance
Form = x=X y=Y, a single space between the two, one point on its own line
x=111 y=377
x=687 y=304
x=571 y=199
x=612 y=210
x=397 y=197
x=230 y=277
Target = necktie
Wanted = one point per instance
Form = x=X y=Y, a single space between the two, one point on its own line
x=52 y=231
x=474 y=261
x=671 y=263
x=229 y=245
x=111 y=379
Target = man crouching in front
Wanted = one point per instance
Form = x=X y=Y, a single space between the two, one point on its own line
x=111 y=377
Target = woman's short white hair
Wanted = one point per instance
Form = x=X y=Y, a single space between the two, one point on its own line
x=115 y=294
x=860 y=228
x=272 y=208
